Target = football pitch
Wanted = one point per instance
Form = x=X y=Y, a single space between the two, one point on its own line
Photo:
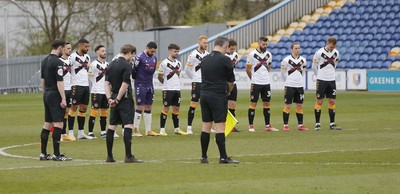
x=362 y=158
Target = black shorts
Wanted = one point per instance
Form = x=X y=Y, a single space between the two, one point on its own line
x=255 y=91
x=326 y=88
x=293 y=94
x=99 y=101
x=68 y=94
x=234 y=93
x=123 y=113
x=196 y=87
x=52 y=109
x=80 y=95
x=214 y=107
x=171 y=98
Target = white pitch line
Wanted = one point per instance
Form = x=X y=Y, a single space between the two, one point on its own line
x=187 y=160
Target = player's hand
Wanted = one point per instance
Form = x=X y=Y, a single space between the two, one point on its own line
x=112 y=103
x=63 y=103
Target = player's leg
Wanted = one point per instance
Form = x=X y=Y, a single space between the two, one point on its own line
x=72 y=112
x=64 y=136
x=254 y=94
x=147 y=113
x=57 y=117
x=44 y=134
x=299 y=99
x=95 y=99
x=164 y=112
x=126 y=114
x=320 y=94
x=85 y=96
x=195 y=93
x=266 y=98
x=103 y=122
x=287 y=98
x=176 y=102
x=206 y=128
x=331 y=95
x=140 y=96
x=232 y=104
x=114 y=120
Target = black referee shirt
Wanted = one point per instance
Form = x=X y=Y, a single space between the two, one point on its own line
x=51 y=71
x=216 y=71
x=117 y=72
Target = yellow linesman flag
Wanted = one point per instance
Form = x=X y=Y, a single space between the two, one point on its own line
x=230 y=123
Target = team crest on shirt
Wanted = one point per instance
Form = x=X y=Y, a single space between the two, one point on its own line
x=60 y=72
x=96 y=105
x=318 y=95
x=194 y=95
x=74 y=101
x=252 y=97
x=165 y=103
x=139 y=100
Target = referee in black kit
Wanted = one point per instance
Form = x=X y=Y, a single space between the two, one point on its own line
x=119 y=94
x=217 y=82
x=52 y=83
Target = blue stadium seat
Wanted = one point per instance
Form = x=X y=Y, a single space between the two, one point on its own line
x=309 y=38
x=339 y=16
x=382 y=30
x=297 y=32
x=319 y=24
x=348 y=65
x=385 y=49
x=312 y=44
x=391 y=43
x=314 y=31
x=241 y=64
x=360 y=23
x=351 y=37
x=307 y=51
x=351 y=50
x=356 y=43
x=386 y=37
x=363 y=57
x=339 y=31
x=346 y=43
x=360 y=49
x=321 y=43
x=395 y=8
x=373 y=57
x=387 y=23
x=385 y=65
x=395 y=36
x=346 y=57
x=391 y=29
x=300 y=38
x=273 y=51
x=364 y=43
x=304 y=44
x=335 y=23
x=378 y=22
x=381 y=44
x=360 y=10
x=356 y=17
x=318 y=37
x=359 y=37
x=282 y=51
x=369 y=23
x=330 y=31
x=306 y=31
x=373 y=43
x=347 y=31
x=378 y=50
x=359 y=65
x=367 y=65
x=368 y=50
x=390 y=16
x=348 y=16
x=368 y=37
x=373 y=16
x=377 y=36
x=352 y=10
x=395 y=22
x=378 y=8
x=382 y=57
x=382 y=16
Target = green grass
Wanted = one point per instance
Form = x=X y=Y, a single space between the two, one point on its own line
x=363 y=158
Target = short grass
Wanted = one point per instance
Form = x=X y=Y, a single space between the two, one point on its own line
x=363 y=158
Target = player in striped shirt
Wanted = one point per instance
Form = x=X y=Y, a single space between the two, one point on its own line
x=232 y=98
x=324 y=66
x=292 y=69
x=258 y=66
x=168 y=75
x=193 y=70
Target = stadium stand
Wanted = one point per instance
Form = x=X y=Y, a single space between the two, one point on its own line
x=368 y=34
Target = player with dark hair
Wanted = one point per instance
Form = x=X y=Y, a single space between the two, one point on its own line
x=52 y=83
x=292 y=70
x=324 y=67
x=67 y=88
x=217 y=82
x=97 y=70
x=168 y=75
x=144 y=68
x=257 y=68
x=118 y=91
x=80 y=88
x=193 y=70
x=232 y=98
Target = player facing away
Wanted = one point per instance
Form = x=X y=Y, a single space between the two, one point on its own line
x=54 y=101
x=97 y=70
x=67 y=88
x=144 y=68
x=324 y=67
x=193 y=70
x=168 y=74
x=292 y=70
x=80 y=88
x=118 y=91
x=257 y=68
x=232 y=98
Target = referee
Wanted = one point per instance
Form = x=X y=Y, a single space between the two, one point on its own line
x=118 y=91
x=217 y=82
x=52 y=82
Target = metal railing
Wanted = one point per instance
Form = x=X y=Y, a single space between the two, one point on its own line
x=266 y=23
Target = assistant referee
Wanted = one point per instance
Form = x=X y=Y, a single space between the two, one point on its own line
x=118 y=91
x=217 y=82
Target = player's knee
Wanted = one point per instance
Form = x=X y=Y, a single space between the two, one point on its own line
x=81 y=113
x=286 y=109
x=331 y=106
x=299 y=110
x=193 y=104
x=103 y=112
x=266 y=105
x=94 y=112
x=72 y=112
x=317 y=106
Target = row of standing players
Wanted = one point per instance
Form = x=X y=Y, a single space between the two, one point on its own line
x=78 y=75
